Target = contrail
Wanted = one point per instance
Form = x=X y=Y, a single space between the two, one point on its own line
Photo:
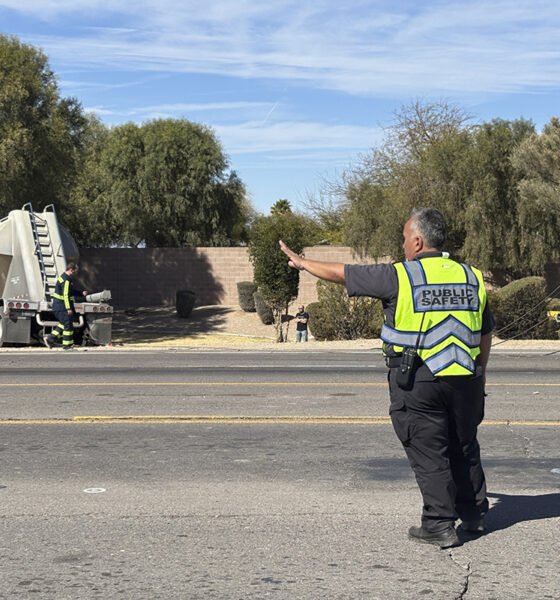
x=269 y=113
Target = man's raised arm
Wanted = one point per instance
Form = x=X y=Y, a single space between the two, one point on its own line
x=328 y=271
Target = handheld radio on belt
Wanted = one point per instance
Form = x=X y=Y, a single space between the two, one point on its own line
x=410 y=361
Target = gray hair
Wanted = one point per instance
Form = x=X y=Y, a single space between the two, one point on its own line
x=430 y=224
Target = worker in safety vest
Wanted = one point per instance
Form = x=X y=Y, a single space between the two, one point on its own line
x=437 y=337
x=63 y=309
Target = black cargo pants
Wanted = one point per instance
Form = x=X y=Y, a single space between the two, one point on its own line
x=436 y=423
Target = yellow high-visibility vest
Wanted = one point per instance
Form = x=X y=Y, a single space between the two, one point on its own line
x=62 y=291
x=439 y=311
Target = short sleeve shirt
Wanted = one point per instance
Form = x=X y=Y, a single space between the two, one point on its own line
x=302 y=326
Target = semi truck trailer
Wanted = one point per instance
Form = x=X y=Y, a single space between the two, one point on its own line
x=34 y=251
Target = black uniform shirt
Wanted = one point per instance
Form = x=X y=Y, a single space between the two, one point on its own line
x=59 y=304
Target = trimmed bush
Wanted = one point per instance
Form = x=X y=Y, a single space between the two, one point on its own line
x=520 y=308
x=553 y=304
x=317 y=323
x=245 y=291
x=263 y=310
x=184 y=303
x=338 y=317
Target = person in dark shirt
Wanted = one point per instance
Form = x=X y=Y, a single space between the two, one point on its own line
x=63 y=309
x=437 y=337
x=301 y=324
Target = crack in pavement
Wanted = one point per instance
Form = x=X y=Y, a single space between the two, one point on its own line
x=526 y=442
x=468 y=570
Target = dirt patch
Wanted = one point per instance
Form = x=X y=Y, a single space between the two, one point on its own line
x=212 y=326
x=161 y=323
x=230 y=327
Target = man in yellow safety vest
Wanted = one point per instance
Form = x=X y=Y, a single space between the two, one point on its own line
x=437 y=337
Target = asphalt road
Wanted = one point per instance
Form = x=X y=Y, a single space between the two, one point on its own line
x=252 y=475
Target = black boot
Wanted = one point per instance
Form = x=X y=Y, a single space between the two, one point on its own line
x=444 y=539
x=474 y=526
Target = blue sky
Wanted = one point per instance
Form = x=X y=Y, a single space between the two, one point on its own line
x=296 y=91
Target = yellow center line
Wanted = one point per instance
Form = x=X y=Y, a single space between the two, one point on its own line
x=194 y=384
x=513 y=384
x=247 y=419
x=240 y=383
x=331 y=419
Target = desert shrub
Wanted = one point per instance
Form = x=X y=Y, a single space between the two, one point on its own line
x=317 y=323
x=553 y=304
x=263 y=310
x=338 y=317
x=245 y=291
x=494 y=304
x=520 y=310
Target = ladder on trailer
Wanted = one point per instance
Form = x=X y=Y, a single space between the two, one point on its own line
x=43 y=250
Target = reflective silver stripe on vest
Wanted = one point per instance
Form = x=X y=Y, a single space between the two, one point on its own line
x=398 y=338
x=417 y=276
x=450 y=326
x=448 y=356
x=415 y=272
x=471 y=277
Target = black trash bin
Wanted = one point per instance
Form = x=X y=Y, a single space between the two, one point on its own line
x=184 y=303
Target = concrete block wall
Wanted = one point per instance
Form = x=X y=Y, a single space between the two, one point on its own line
x=152 y=276
x=308 y=283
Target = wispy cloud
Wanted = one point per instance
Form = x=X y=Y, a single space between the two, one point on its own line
x=215 y=111
x=205 y=107
x=338 y=141
x=269 y=77
x=369 y=48
x=283 y=139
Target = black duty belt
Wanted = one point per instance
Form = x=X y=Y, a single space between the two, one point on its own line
x=393 y=361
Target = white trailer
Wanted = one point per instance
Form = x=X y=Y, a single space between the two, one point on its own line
x=34 y=252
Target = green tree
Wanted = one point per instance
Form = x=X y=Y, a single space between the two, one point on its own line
x=365 y=220
x=277 y=282
x=419 y=164
x=491 y=231
x=537 y=162
x=281 y=207
x=328 y=210
x=433 y=157
x=42 y=135
x=88 y=214
x=167 y=184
